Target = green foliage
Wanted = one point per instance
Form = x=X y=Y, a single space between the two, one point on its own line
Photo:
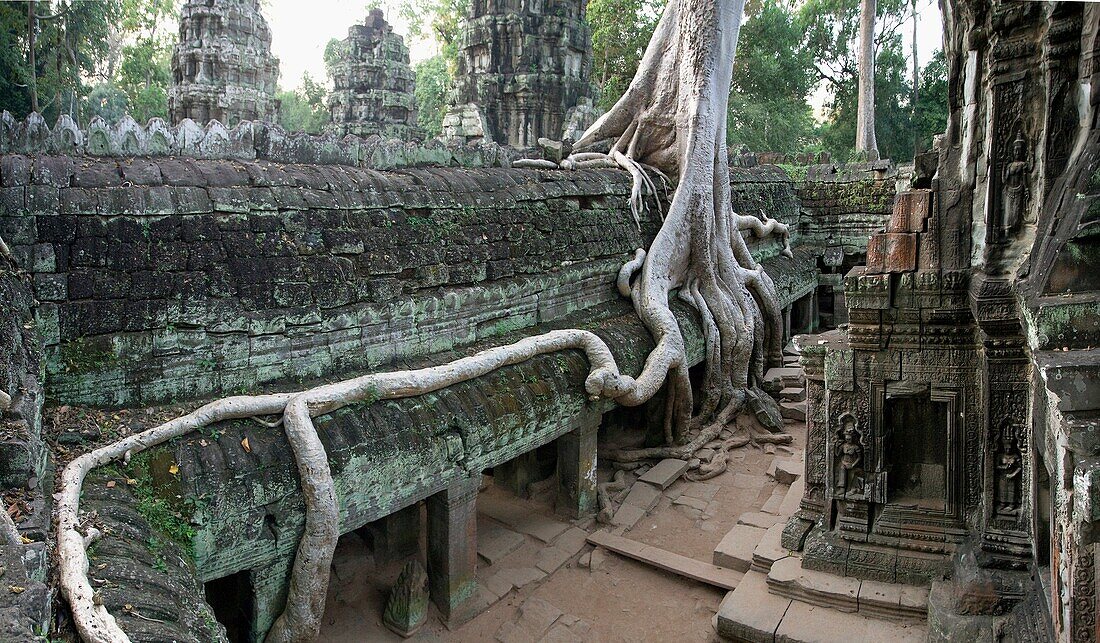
x=166 y=513
x=773 y=77
x=930 y=115
x=304 y=110
x=85 y=54
x=437 y=19
x=621 y=29
x=433 y=84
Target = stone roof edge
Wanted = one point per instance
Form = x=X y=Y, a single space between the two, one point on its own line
x=246 y=141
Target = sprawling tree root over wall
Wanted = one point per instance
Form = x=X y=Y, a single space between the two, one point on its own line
x=670 y=121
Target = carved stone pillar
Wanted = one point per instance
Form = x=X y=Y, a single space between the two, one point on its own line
x=577 y=469
x=269 y=586
x=452 y=548
x=812 y=507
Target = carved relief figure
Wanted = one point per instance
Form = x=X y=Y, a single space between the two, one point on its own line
x=849 y=467
x=1014 y=188
x=1008 y=469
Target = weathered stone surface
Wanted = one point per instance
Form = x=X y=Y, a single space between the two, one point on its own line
x=665 y=472
x=526 y=67
x=222 y=67
x=373 y=85
x=735 y=549
x=751 y=612
x=494 y=542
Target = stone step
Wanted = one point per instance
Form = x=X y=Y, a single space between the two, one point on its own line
x=752 y=613
x=769 y=549
x=792 y=394
x=793 y=410
x=736 y=549
x=776 y=379
x=890 y=601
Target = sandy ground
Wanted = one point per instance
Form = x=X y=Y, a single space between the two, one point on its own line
x=618 y=599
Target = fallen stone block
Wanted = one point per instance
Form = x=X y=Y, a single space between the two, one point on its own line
x=785 y=471
x=495 y=542
x=792 y=394
x=643 y=495
x=627 y=516
x=793 y=410
x=665 y=472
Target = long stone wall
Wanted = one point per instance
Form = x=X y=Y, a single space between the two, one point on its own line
x=845 y=203
x=162 y=279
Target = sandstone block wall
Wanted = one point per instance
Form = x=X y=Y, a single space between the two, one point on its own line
x=846 y=203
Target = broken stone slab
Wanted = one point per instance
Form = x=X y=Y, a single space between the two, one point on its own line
x=523 y=519
x=793 y=410
x=701 y=490
x=770 y=549
x=735 y=549
x=695 y=503
x=776 y=500
x=793 y=498
x=549 y=559
x=785 y=471
x=760 y=519
x=792 y=394
x=572 y=540
x=627 y=516
x=665 y=472
x=751 y=612
x=534 y=620
x=644 y=496
x=782 y=377
x=494 y=542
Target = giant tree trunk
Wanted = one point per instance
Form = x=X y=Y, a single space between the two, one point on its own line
x=865 y=115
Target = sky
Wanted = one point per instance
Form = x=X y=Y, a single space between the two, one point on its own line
x=301 y=28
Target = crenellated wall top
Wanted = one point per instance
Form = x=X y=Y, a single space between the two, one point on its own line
x=248 y=140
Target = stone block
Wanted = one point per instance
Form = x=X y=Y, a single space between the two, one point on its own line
x=627 y=516
x=784 y=470
x=751 y=612
x=793 y=410
x=665 y=472
x=494 y=542
x=643 y=496
x=911 y=210
x=735 y=549
x=769 y=549
x=876 y=253
x=549 y=559
x=759 y=519
x=899 y=252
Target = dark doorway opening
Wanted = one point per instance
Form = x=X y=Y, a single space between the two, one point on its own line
x=231 y=599
x=916 y=452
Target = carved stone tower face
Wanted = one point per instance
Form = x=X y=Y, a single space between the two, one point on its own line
x=222 y=67
x=373 y=85
x=525 y=63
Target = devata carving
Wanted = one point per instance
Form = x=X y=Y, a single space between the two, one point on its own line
x=1014 y=189
x=1008 y=469
x=849 y=465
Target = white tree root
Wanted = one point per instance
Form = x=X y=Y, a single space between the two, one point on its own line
x=309 y=578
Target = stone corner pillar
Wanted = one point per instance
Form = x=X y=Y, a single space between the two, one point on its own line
x=452 y=549
x=577 y=468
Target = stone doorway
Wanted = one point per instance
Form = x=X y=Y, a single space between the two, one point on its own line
x=916 y=451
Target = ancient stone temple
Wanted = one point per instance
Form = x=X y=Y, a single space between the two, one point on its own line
x=523 y=72
x=373 y=85
x=222 y=67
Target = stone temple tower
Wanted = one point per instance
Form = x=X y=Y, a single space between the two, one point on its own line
x=373 y=85
x=222 y=67
x=524 y=67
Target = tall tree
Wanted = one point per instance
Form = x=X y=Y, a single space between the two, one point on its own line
x=865 y=113
x=773 y=76
x=433 y=84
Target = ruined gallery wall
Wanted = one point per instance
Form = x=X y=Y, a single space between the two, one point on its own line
x=169 y=278
x=845 y=204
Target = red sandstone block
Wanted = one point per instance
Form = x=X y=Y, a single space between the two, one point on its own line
x=900 y=253
x=911 y=210
x=876 y=253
